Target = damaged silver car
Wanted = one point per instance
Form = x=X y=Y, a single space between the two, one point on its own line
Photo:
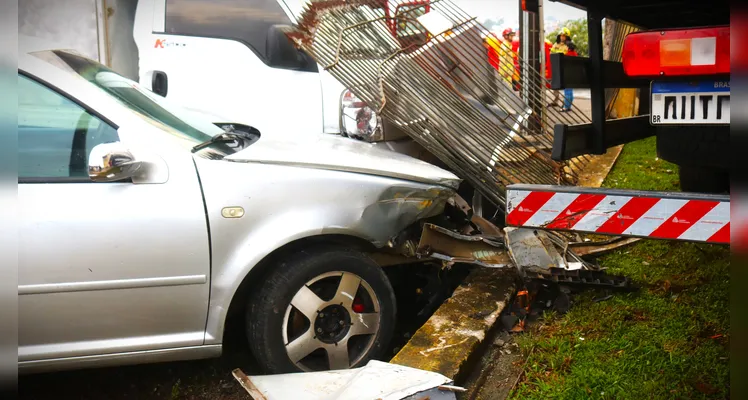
x=142 y=227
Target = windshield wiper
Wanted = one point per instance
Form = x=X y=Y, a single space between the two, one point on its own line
x=229 y=135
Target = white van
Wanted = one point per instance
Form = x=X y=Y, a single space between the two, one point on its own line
x=229 y=58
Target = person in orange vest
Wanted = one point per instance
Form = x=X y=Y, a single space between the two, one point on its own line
x=501 y=55
x=548 y=74
x=515 y=51
x=507 y=61
x=548 y=46
x=491 y=42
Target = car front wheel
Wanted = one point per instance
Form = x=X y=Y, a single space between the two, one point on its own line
x=332 y=309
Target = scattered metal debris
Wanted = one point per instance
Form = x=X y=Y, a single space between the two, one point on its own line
x=536 y=255
x=601 y=247
x=451 y=247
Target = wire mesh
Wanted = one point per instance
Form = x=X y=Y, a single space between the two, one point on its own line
x=493 y=127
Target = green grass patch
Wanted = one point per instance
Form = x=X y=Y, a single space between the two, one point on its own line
x=668 y=340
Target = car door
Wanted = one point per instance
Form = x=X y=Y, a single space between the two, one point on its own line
x=104 y=268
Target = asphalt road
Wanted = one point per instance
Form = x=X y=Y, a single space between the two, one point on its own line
x=202 y=379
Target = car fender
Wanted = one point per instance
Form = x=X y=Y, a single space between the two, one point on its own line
x=275 y=205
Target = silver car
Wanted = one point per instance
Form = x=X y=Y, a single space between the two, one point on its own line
x=142 y=227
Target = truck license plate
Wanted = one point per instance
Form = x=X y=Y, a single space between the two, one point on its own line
x=690 y=103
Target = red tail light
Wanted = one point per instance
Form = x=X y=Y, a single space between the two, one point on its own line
x=702 y=51
x=531 y=5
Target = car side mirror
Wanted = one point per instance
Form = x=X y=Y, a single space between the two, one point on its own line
x=160 y=83
x=111 y=162
x=281 y=52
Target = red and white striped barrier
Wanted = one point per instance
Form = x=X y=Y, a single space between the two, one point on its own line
x=657 y=215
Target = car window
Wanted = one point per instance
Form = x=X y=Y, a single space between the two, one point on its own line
x=55 y=134
x=245 y=20
x=182 y=122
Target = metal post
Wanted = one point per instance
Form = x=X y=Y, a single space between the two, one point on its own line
x=532 y=54
x=597 y=87
x=543 y=61
x=541 y=36
x=523 y=41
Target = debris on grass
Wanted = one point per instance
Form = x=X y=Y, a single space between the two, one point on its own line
x=666 y=341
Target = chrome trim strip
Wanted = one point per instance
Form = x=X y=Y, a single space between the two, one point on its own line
x=103 y=346
x=111 y=285
x=120 y=359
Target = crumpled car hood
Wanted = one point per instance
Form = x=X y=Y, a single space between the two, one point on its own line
x=343 y=154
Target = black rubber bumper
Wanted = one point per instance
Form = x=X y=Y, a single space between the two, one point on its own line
x=695 y=146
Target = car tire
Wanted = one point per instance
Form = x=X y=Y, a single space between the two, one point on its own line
x=703 y=180
x=303 y=317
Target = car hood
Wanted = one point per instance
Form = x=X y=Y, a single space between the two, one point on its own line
x=343 y=154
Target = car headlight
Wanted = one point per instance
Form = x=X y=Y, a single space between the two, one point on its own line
x=357 y=120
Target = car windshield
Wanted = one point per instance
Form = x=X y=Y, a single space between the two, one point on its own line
x=135 y=97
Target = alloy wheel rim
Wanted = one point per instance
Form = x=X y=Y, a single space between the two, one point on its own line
x=331 y=322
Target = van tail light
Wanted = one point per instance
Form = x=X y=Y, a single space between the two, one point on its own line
x=701 y=51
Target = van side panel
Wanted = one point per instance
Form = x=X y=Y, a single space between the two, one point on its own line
x=224 y=75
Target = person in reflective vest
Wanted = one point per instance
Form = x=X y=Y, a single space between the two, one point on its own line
x=502 y=56
x=515 y=52
x=563 y=41
x=569 y=93
x=492 y=45
x=548 y=46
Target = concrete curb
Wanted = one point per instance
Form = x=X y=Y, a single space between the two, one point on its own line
x=445 y=343
x=598 y=168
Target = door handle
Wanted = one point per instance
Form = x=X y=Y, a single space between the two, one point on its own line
x=160 y=83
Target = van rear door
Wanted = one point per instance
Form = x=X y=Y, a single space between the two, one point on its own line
x=227 y=58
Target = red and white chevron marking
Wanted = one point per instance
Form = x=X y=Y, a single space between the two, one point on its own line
x=662 y=218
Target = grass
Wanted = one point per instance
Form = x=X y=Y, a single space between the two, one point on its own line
x=668 y=340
